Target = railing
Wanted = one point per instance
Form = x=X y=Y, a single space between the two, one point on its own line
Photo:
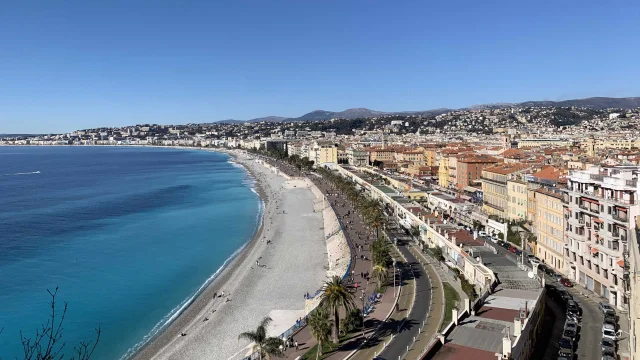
x=619 y=218
x=494 y=181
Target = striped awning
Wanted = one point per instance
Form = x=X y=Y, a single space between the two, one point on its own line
x=590 y=200
x=597 y=220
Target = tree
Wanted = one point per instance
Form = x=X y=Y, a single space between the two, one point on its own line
x=334 y=296
x=47 y=343
x=264 y=345
x=320 y=327
x=380 y=274
x=352 y=321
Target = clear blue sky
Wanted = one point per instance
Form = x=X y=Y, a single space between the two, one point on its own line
x=66 y=65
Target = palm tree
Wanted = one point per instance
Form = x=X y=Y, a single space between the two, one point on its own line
x=380 y=273
x=334 y=296
x=320 y=327
x=264 y=345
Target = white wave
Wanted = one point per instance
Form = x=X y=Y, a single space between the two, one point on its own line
x=24 y=173
x=235 y=164
x=175 y=312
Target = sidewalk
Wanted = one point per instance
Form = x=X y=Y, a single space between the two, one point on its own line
x=385 y=333
x=372 y=322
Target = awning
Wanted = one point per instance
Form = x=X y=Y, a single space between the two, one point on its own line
x=594 y=250
x=621 y=208
x=590 y=200
x=598 y=220
x=621 y=263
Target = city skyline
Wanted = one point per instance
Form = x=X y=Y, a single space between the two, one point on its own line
x=86 y=65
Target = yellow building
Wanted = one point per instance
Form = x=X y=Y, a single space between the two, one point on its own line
x=550 y=245
x=431 y=156
x=322 y=153
x=443 y=173
x=517 y=194
x=494 y=187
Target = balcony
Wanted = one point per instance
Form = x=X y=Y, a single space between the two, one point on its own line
x=590 y=209
x=617 y=217
x=499 y=182
x=621 y=201
x=494 y=206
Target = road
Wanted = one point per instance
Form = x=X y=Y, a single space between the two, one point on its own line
x=411 y=327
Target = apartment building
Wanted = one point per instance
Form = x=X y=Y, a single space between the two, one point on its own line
x=323 y=153
x=469 y=168
x=357 y=157
x=432 y=156
x=517 y=195
x=383 y=155
x=494 y=187
x=550 y=225
x=602 y=206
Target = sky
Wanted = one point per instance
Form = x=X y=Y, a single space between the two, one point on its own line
x=67 y=65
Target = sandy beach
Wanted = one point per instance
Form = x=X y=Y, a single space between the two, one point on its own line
x=295 y=262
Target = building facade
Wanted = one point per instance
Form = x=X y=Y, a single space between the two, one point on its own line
x=517 y=194
x=550 y=225
x=602 y=204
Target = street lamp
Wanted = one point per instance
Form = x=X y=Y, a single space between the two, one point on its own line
x=362 y=313
x=394 y=278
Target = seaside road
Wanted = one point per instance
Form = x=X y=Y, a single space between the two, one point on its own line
x=405 y=334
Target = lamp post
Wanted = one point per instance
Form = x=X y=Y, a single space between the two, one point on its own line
x=394 y=278
x=362 y=314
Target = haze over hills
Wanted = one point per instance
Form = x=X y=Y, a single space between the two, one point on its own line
x=321 y=115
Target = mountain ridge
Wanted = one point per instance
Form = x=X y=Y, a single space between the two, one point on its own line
x=353 y=113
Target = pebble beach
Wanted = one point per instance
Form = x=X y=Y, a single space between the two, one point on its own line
x=286 y=259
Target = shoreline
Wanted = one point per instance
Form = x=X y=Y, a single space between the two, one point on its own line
x=201 y=340
x=153 y=345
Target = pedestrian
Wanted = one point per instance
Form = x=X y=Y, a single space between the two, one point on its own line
x=295 y=343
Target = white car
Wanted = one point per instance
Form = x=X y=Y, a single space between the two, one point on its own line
x=534 y=261
x=609 y=332
x=482 y=233
x=494 y=240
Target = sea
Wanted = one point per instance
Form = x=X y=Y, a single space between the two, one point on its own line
x=128 y=235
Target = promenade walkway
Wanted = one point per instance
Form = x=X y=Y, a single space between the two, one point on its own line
x=359 y=238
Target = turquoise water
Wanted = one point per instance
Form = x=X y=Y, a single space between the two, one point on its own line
x=128 y=234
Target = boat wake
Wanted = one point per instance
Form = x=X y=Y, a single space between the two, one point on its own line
x=23 y=173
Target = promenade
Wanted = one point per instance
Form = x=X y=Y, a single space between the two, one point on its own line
x=392 y=332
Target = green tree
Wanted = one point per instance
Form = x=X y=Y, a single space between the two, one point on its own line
x=352 y=321
x=265 y=346
x=320 y=327
x=381 y=274
x=335 y=296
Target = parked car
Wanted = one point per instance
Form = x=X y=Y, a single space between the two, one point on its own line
x=566 y=343
x=512 y=249
x=565 y=295
x=571 y=325
x=534 y=260
x=569 y=333
x=609 y=332
x=566 y=282
x=611 y=320
x=607 y=309
x=565 y=354
x=573 y=308
x=482 y=233
x=608 y=344
x=547 y=270
x=518 y=252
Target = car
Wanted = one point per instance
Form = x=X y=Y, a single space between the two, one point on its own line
x=566 y=282
x=608 y=352
x=512 y=249
x=607 y=357
x=573 y=308
x=500 y=242
x=609 y=332
x=610 y=320
x=565 y=354
x=571 y=325
x=518 y=252
x=534 y=260
x=570 y=333
x=566 y=343
x=482 y=233
x=547 y=270
x=606 y=309
x=565 y=295
x=608 y=344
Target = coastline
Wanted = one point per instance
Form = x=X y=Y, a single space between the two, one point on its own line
x=166 y=344
x=157 y=342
